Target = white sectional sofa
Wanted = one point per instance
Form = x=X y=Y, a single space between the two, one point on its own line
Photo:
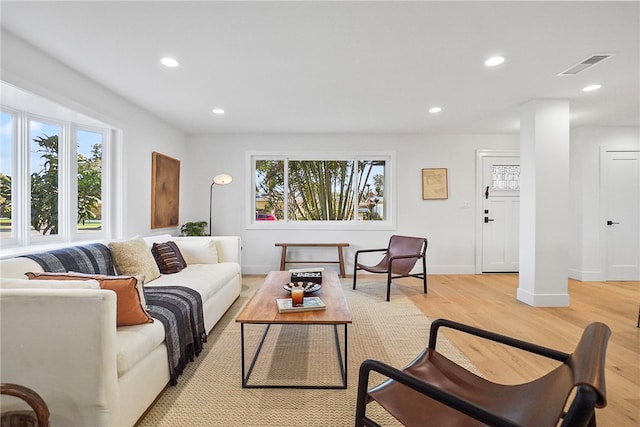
x=65 y=345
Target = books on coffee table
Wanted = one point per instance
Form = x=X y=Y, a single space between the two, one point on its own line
x=310 y=304
x=313 y=275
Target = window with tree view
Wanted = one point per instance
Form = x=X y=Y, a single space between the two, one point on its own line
x=52 y=177
x=297 y=190
x=45 y=175
x=89 y=180
x=44 y=169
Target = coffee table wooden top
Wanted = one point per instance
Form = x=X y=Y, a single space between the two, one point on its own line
x=262 y=307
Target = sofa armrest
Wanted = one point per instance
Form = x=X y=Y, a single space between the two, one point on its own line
x=16 y=268
x=62 y=344
x=229 y=248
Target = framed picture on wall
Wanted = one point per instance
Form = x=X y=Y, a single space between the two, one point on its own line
x=165 y=191
x=434 y=184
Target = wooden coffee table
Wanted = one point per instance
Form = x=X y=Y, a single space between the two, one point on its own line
x=262 y=309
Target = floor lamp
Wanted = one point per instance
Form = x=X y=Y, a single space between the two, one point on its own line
x=222 y=179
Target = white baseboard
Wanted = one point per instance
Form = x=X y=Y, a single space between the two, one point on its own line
x=542 y=300
x=435 y=269
x=451 y=269
x=586 y=276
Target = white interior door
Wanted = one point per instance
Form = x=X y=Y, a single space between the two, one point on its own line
x=622 y=199
x=500 y=214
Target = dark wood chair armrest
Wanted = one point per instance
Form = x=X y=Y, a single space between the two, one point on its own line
x=355 y=259
x=492 y=336
x=371 y=250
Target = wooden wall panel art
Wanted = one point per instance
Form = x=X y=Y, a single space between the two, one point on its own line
x=165 y=191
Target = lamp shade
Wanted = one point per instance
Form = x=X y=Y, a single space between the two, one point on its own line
x=222 y=179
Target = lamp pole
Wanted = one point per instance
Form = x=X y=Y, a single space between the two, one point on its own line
x=222 y=179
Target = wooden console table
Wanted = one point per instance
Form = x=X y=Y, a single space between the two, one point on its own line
x=338 y=246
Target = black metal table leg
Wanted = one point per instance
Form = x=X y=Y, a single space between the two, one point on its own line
x=342 y=361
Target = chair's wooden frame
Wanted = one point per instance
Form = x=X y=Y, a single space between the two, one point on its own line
x=581 y=410
x=33 y=399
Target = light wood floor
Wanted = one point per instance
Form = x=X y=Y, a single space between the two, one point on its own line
x=489 y=301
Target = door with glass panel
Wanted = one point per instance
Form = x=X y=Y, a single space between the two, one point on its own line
x=500 y=214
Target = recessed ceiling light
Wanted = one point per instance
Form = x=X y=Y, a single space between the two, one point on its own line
x=435 y=109
x=218 y=111
x=591 y=88
x=169 y=62
x=493 y=61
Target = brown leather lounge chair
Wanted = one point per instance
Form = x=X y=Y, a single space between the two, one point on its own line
x=400 y=256
x=434 y=391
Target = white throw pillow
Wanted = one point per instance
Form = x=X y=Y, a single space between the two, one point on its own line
x=158 y=238
x=8 y=283
x=197 y=250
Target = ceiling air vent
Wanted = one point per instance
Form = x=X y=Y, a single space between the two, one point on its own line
x=584 y=64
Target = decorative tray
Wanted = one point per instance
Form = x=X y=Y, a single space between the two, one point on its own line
x=309 y=287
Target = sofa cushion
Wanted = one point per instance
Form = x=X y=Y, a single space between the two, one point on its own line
x=157 y=238
x=166 y=256
x=129 y=294
x=198 y=250
x=133 y=257
x=135 y=342
x=9 y=283
x=207 y=279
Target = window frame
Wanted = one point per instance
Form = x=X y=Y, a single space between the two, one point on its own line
x=63 y=166
x=389 y=223
x=21 y=236
x=105 y=184
x=15 y=170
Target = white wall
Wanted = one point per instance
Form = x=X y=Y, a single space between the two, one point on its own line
x=27 y=67
x=587 y=256
x=447 y=224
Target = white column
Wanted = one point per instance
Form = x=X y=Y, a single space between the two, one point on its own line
x=544 y=203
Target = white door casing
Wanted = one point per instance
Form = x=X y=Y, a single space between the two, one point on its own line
x=497 y=235
x=620 y=219
x=501 y=214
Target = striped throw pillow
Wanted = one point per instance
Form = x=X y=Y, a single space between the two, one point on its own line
x=166 y=258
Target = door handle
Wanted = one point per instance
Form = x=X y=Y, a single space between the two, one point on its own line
x=487 y=219
x=486 y=193
x=612 y=222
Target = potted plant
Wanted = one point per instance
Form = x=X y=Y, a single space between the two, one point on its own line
x=194 y=228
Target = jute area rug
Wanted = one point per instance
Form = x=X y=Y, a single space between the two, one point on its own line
x=209 y=393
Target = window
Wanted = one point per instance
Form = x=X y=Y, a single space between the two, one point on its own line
x=505 y=178
x=53 y=175
x=7 y=142
x=89 y=180
x=44 y=167
x=321 y=189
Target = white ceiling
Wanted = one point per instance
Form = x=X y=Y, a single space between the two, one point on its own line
x=365 y=67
